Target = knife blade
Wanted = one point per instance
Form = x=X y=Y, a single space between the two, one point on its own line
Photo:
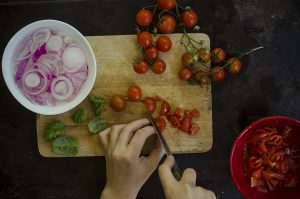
x=175 y=170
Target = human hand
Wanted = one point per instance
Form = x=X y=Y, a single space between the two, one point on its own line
x=126 y=170
x=185 y=188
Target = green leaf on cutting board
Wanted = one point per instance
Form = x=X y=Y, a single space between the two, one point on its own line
x=97 y=124
x=65 y=145
x=53 y=130
x=80 y=116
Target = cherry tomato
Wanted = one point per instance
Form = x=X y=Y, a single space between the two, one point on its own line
x=204 y=55
x=187 y=59
x=179 y=113
x=189 y=18
x=193 y=129
x=150 y=104
x=165 y=108
x=144 y=39
x=118 y=102
x=235 y=66
x=185 y=73
x=167 y=4
x=194 y=113
x=151 y=53
x=134 y=93
x=159 y=66
x=161 y=123
x=164 y=43
x=185 y=124
x=217 y=73
x=202 y=77
x=167 y=24
x=144 y=17
x=141 y=67
x=218 y=55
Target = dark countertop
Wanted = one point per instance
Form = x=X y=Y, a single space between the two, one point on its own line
x=268 y=85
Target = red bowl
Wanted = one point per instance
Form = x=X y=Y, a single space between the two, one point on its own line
x=241 y=181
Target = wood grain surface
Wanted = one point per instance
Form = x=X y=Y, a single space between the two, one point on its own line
x=115 y=55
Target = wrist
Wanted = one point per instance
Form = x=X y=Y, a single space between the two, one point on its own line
x=109 y=193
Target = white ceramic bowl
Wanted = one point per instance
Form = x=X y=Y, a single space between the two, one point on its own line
x=8 y=70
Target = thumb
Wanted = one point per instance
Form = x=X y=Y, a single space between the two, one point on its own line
x=165 y=172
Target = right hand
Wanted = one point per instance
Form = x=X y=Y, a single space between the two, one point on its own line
x=185 y=188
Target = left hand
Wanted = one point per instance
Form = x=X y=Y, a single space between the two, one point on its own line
x=126 y=170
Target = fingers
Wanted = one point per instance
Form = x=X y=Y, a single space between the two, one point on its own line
x=204 y=193
x=103 y=136
x=129 y=130
x=189 y=177
x=137 y=142
x=165 y=174
x=154 y=157
x=113 y=136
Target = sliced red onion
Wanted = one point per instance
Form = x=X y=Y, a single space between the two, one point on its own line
x=29 y=85
x=24 y=51
x=68 y=40
x=55 y=43
x=39 y=52
x=20 y=70
x=53 y=61
x=78 y=78
x=40 y=37
x=61 y=88
x=73 y=58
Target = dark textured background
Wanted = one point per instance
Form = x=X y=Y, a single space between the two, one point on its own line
x=268 y=85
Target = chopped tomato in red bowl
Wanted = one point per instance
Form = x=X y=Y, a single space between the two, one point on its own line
x=265 y=159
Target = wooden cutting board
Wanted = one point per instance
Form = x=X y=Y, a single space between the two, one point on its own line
x=115 y=55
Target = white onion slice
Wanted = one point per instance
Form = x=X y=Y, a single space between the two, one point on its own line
x=32 y=80
x=73 y=59
x=55 y=43
x=38 y=88
x=61 y=88
x=39 y=37
x=53 y=61
x=25 y=50
x=68 y=40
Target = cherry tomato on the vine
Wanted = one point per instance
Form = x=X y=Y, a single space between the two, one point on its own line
x=161 y=123
x=159 y=66
x=118 y=102
x=218 y=55
x=164 y=43
x=187 y=59
x=141 y=67
x=144 y=17
x=235 y=65
x=134 y=93
x=202 y=77
x=189 y=18
x=217 y=73
x=166 y=4
x=151 y=53
x=165 y=108
x=167 y=24
x=150 y=104
x=185 y=73
x=144 y=39
x=204 y=55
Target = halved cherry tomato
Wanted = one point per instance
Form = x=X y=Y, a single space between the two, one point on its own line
x=118 y=102
x=194 y=113
x=189 y=18
x=186 y=123
x=185 y=73
x=151 y=53
x=175 y=122
x=144 y=39
x=141 y=67
x=134 y=93
x=217 y=73
x=166 y=4
x=161 y=123
x=167 y=24
x=179 y=113
x=159 y=66
x=150 y=104
x=165 y=108
x=144 y=17
x=164 y=43
x=218 y=55
x=193 y=129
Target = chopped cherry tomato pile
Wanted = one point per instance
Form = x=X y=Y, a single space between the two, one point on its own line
x=203 y=75
x=180 y=118
x=272 y=160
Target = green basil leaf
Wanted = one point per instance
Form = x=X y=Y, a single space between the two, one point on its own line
x=80 y=116
x=53 y=129
x=97 y=124
x=98 y=103
x=65 y=145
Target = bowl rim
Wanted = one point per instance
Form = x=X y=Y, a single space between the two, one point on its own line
x=233 y=148
x=48 y=110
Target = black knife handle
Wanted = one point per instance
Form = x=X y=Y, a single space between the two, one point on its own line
x=176 y=172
